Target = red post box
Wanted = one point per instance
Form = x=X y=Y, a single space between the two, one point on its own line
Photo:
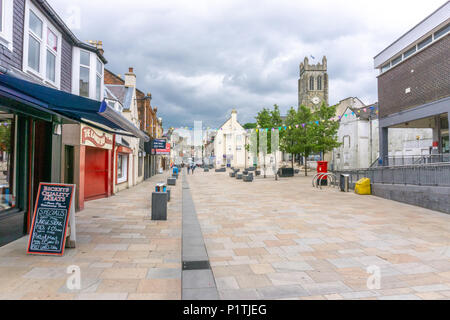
x=322 y=167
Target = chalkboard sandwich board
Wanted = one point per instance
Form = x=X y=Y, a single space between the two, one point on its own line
x=54 y=204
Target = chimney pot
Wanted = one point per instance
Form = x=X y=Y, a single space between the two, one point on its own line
x=130 y=70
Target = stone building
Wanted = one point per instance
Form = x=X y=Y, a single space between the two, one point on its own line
x=229 y=144
x=313 y=84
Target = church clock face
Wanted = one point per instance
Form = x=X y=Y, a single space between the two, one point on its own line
x=315 y=100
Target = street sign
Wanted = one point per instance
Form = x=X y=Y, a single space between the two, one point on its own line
x=54 y=206
x=159 y=144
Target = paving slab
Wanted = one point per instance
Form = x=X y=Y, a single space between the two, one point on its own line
x=286 y=240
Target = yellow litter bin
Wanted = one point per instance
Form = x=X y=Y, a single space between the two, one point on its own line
x=363 y=186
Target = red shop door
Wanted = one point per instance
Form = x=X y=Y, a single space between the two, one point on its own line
x=96 y=173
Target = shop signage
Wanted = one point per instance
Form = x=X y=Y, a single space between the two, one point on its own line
x=95 y=138
x=165 y=151
x=54 y=207
x=159 y=144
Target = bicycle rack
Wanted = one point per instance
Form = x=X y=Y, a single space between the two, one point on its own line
x=321 y=176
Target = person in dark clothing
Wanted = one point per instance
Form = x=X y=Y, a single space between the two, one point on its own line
x=193 y=168
x=189 y=169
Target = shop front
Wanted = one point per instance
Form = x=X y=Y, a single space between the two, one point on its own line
x=98 y=168
x=124 y=165
x=30 y=140
x=33 y=120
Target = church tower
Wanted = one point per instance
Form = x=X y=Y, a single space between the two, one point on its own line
x=313 y=84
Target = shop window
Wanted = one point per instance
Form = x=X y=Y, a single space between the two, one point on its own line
x=140 y=165
x=122 y=168
x=7 y=162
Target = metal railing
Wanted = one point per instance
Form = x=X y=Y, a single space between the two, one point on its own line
x=415 y=159
x=435 y=174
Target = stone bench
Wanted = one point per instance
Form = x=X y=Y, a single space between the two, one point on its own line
x=286 y=172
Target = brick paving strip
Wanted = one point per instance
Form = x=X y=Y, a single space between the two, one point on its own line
x=197 y=278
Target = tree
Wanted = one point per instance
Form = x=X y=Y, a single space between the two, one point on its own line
x=266 y=120
x=299 y=139
x=249 y=126
x=325 y=130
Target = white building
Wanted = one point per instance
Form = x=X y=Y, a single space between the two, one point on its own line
x=229 y=144
x=359 y=134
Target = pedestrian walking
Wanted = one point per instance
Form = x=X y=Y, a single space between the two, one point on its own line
x=193 y=168
x=189 y=169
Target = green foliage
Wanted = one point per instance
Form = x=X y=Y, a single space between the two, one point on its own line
x=267 y=119
x=249 y=126
x=5 y=138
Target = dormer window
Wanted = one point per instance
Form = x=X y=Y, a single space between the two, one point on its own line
x=84 y=73
x=99 y=79
x=42 y=47
x=6 y=23
x=87 y=74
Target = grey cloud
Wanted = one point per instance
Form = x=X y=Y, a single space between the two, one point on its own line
x=201 y=59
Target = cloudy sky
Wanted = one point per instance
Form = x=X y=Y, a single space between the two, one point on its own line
x=200 y=59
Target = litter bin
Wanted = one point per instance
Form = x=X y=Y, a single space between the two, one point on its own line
x=322 y=167
x=161 y=187
x=343 y=182
x=159 y=205
x=363 y=187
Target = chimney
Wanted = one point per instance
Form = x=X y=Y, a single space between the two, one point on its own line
x=130 y=78
x=98 y=44
x=234 y=115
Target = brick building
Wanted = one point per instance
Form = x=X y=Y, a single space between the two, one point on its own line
x=414 y=82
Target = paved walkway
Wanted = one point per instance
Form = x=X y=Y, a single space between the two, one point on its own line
x=264 y=240
x=286 y=240
x=122 y=254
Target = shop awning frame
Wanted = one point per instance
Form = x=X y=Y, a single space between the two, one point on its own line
x=68 y=105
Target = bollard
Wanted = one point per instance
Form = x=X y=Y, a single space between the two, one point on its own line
x=159 y=205
x=171 y=182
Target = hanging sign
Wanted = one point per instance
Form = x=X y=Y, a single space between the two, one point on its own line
x=54 y=207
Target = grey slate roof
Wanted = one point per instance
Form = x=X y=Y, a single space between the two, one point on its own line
x=123 y=94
